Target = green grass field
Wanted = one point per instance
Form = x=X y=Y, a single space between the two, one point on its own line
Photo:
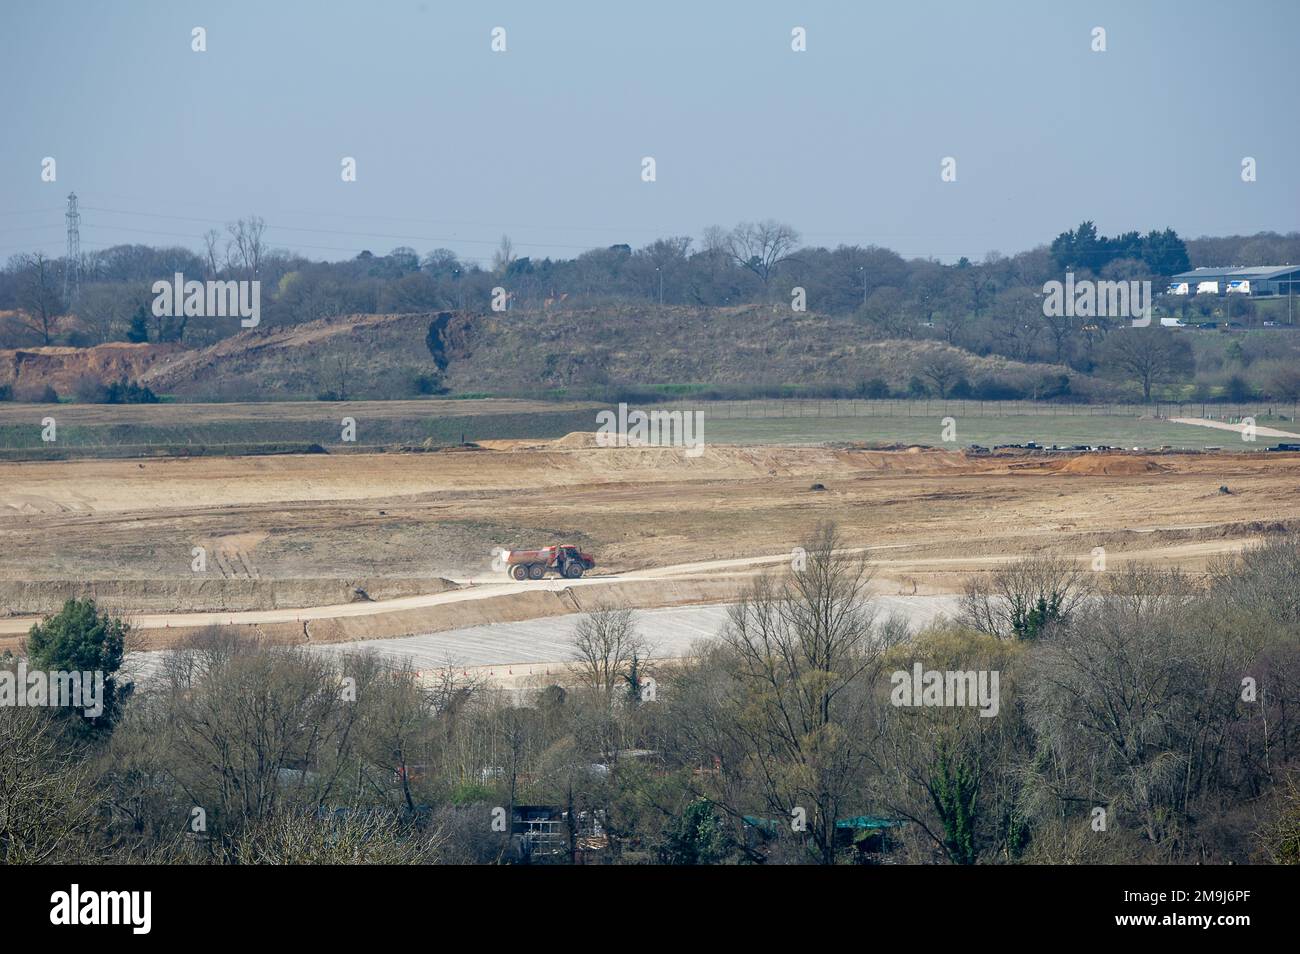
x=1116 y=431
x=214 y=429
x=272 y=434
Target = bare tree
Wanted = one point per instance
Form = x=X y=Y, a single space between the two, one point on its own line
x=256 y=730
x=47 y=803
x=1280 y=839
x=336 y=370
x=942 y=368
x=397 y=724
x=947 y=769
x=1023 y=598
x=1284 y=380
x=1262 y=579
x=1016 y=323
x=39 y=298
x=514 y=728
x=1063 y=329
x=760 y=247
x=211 y=239
x=347 y=838
x=247 y=246
x=1118 y=700
x=606 y=648
x=804 y=654
x=503 y=256
x=103 y=309
x=715 y=240
x=1147 y=356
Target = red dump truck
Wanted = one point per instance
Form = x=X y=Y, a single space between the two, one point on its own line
x=564 y=558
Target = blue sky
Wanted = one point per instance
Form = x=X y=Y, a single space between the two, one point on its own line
x=456 y=145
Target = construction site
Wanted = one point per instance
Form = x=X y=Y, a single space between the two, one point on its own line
x=581 y=435
x=319 y=549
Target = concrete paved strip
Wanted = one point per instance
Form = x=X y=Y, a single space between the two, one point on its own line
x=672 y=632
x=1237 y=428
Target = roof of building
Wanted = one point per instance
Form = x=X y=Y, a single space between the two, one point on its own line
x=855 y=822
x=868 y=821
x=1258 y=272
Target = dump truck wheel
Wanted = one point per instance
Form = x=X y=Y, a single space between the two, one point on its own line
x=519 y=571
x=573 y=570
x=536 y=571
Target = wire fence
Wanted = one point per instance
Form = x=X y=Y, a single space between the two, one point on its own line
x=831 y=408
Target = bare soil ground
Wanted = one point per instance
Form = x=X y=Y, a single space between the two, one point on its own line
x=674 y=528
x=31 y=369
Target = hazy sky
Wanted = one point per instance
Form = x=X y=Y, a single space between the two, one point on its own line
x=456 y=144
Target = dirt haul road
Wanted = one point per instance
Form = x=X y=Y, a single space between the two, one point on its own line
x=283 y=533
x=467 y=590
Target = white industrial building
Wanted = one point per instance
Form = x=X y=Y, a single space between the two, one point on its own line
x=1260 y=281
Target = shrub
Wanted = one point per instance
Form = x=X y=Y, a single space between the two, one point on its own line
x=1051 y=386
x=995 y=389
x=89 y=390
x=128 y=392
x=873 y=388
x=1238 y=389
x=428 y=384
x=36 y=394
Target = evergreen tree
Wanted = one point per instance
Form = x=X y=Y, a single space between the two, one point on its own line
x=139 y=332
x=696 y=837
x=81 y=639
x=954 y=789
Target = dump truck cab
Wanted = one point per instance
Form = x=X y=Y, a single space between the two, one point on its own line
x=572 y=562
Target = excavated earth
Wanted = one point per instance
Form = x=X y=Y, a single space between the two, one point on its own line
x=339 y=547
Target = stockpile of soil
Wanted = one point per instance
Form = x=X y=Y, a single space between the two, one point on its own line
x=580 y=440
x=1110 y=465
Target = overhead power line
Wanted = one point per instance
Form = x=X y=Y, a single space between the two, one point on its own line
x=348 y=232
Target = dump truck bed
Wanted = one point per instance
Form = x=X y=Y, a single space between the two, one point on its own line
x=544 y=555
